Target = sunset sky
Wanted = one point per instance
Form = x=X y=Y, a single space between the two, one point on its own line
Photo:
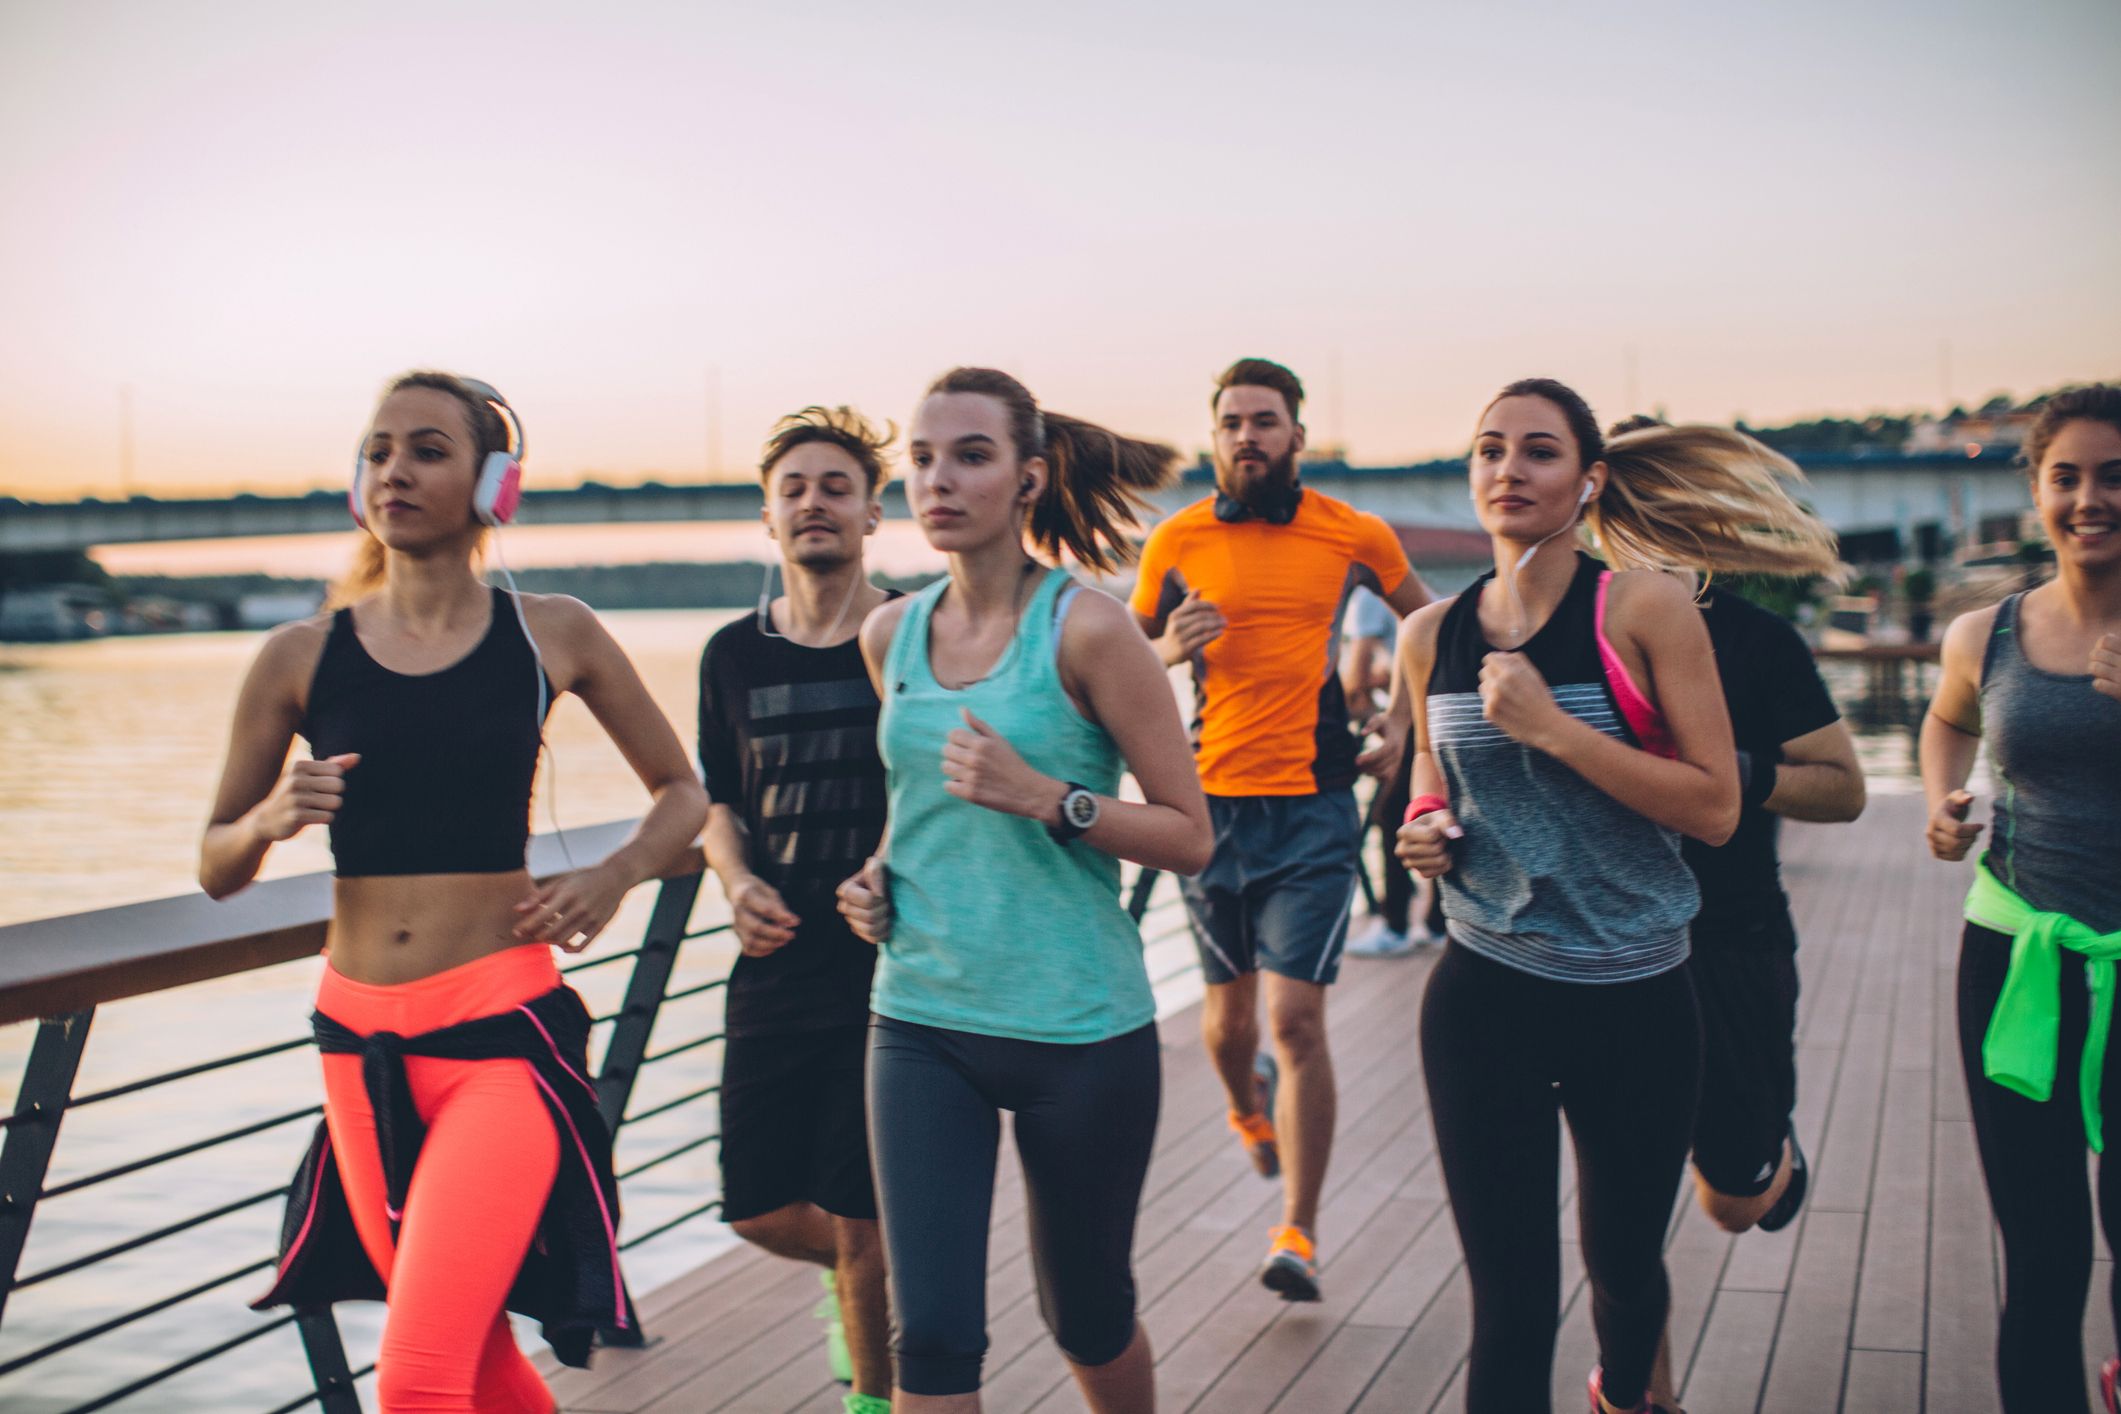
x=657 y=226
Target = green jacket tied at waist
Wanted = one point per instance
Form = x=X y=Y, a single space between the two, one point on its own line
x=2023 y=1033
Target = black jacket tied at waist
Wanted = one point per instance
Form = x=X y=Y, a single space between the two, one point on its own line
x=570 y=1281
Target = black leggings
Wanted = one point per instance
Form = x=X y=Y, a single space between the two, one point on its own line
x=1501 y=1051
x=2033 y=1155
x=1085 y=1125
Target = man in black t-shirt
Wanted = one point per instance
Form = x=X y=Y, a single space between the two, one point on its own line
x=788 y=752
x=1795 y=759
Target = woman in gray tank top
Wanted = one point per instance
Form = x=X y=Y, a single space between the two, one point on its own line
x=2038 y=676
x=1569 y=727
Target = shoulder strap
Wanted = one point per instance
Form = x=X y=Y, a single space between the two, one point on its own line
x=911 y=636
x=1642 y=716
x=1038 y=631
x=2005 y=625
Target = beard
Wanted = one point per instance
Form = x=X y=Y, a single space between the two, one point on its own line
x=1255 y=483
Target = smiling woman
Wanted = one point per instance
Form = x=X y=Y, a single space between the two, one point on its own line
x=2038 y=677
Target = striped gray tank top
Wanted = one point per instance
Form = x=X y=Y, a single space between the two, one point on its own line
x=1554 y=877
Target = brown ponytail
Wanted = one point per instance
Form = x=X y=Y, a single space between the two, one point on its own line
x=489 y=433
x=1098 y=482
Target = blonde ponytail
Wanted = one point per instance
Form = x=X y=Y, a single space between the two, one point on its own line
x=363 y=577
x=1708 y=499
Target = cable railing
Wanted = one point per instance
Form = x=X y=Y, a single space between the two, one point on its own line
x=92 y=960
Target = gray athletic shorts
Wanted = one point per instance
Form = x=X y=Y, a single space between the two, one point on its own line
x=1278 y=890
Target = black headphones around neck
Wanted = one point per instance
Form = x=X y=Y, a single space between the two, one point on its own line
x=1279 y=508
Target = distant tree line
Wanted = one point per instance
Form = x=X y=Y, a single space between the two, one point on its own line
x=1880 y=431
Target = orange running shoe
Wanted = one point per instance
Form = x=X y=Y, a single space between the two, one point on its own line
x=1292 y=1266
x=1257 y=1132
x=1257 y=1129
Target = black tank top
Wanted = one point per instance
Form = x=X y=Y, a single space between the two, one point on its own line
x=447 y=758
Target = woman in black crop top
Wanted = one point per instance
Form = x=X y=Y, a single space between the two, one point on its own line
x=421 y=701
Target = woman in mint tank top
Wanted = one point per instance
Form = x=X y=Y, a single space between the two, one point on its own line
x=2038 y=677
x=1011 y=976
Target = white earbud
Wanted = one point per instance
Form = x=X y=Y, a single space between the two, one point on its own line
x=1585 y=498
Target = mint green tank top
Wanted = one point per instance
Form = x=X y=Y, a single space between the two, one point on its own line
x=995 y=928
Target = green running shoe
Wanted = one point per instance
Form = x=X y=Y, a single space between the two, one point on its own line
x=836 y=1353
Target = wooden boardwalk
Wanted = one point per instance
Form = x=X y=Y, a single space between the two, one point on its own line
x=1881 y=1299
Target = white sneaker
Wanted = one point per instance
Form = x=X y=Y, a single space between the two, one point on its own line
x=1380 y=939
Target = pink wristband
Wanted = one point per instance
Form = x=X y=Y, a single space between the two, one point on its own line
x=1421 y=805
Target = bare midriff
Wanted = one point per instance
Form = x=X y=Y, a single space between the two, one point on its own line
x=393 y=928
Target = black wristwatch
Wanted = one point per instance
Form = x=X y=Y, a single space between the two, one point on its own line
x=1078 y=812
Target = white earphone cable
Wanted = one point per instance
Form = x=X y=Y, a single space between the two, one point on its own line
x=1521 y=620
x=766 y=610
x=552 y=781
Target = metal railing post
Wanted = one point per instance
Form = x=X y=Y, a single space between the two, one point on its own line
x=644 y=996
x=1138 y=900
x=327 y=1361
x=636 y=1022
x=26 y=1156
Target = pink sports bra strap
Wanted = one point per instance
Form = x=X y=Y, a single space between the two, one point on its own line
x=1643 y=719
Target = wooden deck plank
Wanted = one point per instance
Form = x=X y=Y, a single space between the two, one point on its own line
x=1341 y=1373
x=1880 y=1300
x=1883 y=1380
x=1428 y=1357
x=1892 y=1295
x=1959 y=1375
x=1810 y=1359
x=1732 y=1359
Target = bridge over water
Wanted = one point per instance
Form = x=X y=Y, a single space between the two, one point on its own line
x=1884 y=507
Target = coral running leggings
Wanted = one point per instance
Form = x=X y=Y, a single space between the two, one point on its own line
x=484 y=1173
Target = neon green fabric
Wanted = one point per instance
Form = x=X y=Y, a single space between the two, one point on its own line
x=866 y=1404
x=2018 y=1052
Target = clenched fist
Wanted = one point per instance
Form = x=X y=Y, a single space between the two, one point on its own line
x=1949 y=834
x=309 y=794
x=1193 y=625
x=1423 y=844
x=1515 y=698
x=865 y=902
x=981 y=766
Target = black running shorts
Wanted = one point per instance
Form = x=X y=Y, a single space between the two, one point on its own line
x=793 y=1124
x=1745 y=975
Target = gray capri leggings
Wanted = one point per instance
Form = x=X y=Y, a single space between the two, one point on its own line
x=1085 y=1126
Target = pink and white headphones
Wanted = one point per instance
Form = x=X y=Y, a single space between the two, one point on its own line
x=500 y=485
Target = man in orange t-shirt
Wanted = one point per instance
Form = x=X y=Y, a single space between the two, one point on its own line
x=1249 y=587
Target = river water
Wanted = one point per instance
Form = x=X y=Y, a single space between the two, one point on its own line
x=109 y=752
